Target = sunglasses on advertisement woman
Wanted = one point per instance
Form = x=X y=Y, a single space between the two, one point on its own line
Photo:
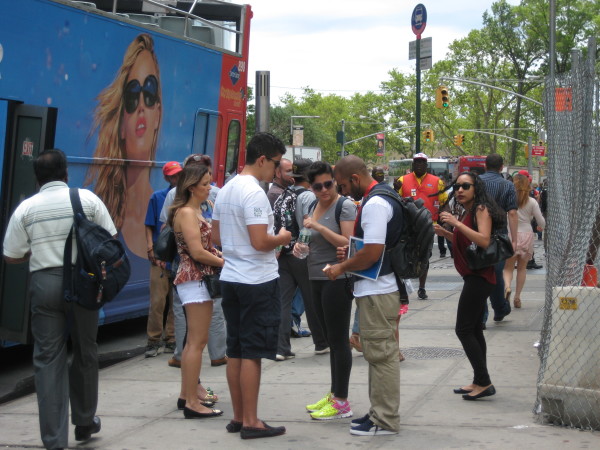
x=318 y=187
x=133 y=90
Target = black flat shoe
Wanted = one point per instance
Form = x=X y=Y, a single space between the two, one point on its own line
x=486 y=393
x=255 y=433
x=181 y=404
x=234 y=427
x=84 y=432
x=462 y=391
x=191 y=414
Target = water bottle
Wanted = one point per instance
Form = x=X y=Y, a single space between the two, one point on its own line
x=303 y=240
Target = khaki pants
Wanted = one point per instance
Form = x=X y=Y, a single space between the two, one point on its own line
x=161 y=291
x=378 y=315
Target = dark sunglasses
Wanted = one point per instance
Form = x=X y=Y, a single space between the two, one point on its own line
x=465 y=186
x=318 y=187
x=277 y=163
x=133 y=90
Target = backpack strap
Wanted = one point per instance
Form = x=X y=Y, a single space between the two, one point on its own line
x=338 y=208
x=68 y=254
x=76 y=202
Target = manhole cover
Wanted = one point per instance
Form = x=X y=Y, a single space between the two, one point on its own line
x=432 y=353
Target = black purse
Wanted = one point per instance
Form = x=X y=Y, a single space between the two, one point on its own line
x=165 y=247
x=213 y=284
x=500 y=249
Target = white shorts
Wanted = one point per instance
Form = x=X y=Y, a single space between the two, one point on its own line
x=193 y=292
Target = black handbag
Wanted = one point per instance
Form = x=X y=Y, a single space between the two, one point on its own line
x=500 y=249
x=213 y=284
x=165 y=247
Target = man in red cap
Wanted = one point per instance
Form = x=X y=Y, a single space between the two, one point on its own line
x=160 y=284
x=421 y=184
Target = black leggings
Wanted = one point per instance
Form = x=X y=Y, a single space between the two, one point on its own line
x=333 y=305
x=469 y=325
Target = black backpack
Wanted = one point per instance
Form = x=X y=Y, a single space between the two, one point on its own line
x=410 y=255
x=102 y=267
x=286 y=203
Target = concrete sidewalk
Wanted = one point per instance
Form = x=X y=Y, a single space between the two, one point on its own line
x=138 y=397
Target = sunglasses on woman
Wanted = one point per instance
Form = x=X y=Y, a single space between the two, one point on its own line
x=133 y=90
x=465 y=186
x=318 y=187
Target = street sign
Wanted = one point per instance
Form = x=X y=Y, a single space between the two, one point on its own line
x=418 y=20
x=538 y=150
x=345 y=153
x=425 y=63
x=425 y=48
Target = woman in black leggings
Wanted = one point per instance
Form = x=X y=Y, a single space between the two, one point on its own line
x=474 y=224
x=331 y=222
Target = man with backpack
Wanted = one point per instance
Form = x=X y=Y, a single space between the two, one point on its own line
x=289 y=210
x=37 y=233
x=379 y=223
x=419 y=184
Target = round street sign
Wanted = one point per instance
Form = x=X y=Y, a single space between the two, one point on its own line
x=419 y=19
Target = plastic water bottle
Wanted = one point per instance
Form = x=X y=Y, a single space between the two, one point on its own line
x=303 y=241
x=287 y=225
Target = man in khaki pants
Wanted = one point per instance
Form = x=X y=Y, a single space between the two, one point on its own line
x=378 y=223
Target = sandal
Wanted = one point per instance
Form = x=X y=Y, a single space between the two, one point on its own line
x=209 y=397
x=517 y=302
x=401 y=356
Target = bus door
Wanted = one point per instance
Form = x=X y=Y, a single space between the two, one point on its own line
x=233 y=158
x=205 y=134
x=26 y=130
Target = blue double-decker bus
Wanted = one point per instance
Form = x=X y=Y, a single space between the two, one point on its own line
x=121 y=86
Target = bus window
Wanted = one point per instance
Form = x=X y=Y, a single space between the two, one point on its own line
x=205 y=133
x=233 y=148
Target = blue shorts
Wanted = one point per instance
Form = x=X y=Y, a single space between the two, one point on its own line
x=253 y=314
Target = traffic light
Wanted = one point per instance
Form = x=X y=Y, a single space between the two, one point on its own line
x=428 y=135
x=442 y=99
x=459 y=139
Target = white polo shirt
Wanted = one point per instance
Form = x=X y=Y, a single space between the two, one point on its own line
x=242 y=202
x=41 y=224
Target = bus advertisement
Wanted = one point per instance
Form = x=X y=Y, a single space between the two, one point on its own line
x=121 y=93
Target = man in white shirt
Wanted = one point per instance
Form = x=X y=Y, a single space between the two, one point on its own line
x=378 y=223
x=243 y=227
x=37 y=233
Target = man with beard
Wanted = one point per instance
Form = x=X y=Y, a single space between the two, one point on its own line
x=281 y=181
x=378 y=223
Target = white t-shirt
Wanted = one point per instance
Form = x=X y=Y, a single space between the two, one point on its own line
x=42 y=223
x=375 y=230
x=240 y=203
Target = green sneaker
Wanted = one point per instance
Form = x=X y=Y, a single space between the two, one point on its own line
x=320 y=404
x=333 y=410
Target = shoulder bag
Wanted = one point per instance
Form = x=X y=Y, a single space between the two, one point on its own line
x=500 y=249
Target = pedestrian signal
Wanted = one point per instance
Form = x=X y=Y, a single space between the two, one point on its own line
x=442 y=99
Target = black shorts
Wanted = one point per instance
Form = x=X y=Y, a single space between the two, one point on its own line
x=253 y=314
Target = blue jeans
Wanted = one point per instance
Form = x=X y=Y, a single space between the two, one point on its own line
x=297 y=307
x=499 y=303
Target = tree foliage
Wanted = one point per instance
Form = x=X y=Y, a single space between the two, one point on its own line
x=510 y=52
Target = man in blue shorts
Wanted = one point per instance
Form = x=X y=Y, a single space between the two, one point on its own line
x=243 y=227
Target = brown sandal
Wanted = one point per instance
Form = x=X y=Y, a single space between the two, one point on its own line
x=517 y=302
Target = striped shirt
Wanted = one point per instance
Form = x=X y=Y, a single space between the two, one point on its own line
x=501 y=190
x=41 y=224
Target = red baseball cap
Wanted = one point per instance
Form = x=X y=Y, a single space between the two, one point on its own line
x=171 y=168
x=525 y=173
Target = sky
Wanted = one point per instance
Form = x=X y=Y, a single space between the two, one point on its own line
x=347 y=46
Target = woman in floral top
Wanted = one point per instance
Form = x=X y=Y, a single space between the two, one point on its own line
x=198 y=258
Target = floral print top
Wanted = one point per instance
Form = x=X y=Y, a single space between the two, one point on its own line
x=189 y=269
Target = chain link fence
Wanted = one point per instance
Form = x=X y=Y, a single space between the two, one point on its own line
x=568 y=390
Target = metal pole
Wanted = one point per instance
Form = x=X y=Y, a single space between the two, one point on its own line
x=418 y=111
x=529 y=160
x=343 y=138
x=263 y=100
x=552 y=38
